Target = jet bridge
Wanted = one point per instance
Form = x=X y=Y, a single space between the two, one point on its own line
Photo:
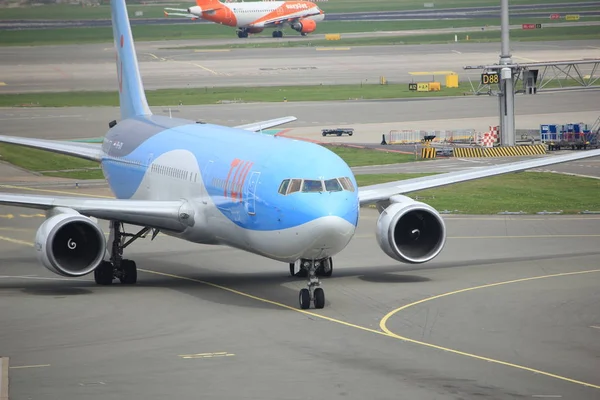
x=533 y=77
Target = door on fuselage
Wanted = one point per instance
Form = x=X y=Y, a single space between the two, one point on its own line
x=251 y=193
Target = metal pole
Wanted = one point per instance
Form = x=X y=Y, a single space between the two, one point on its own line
x=507 y=93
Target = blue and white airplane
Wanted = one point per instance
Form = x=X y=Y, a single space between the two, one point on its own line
x=288 y=200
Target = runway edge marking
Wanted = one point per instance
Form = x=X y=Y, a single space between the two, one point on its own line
x=386 y=332
x=384 y=328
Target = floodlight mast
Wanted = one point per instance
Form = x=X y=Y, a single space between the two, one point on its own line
x=506 y=75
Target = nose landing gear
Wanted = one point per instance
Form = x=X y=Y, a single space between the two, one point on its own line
x=314 y=293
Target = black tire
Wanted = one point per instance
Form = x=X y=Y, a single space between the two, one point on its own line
x=319 y=298
x=103 y=274
x=129 y=272
x=328 y=273
x=304 y=299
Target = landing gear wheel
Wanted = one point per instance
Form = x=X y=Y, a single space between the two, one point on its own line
x=103 y=274
x=128 y=272
x=319 y=298
x=304 y=299
x=277 y=34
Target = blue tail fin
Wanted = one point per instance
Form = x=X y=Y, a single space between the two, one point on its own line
x=132 y=98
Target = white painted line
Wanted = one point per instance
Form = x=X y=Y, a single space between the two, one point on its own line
x=40 y=278
x=3 y=378
x=457 y=52
x=30 y=366
x=595 y=327
x=553 y=396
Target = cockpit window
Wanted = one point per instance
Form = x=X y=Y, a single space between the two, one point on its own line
x=289 y=186
x=284 y=186
x=295 y=186
x=312 y=186
x=347 y=184
x=332 y=185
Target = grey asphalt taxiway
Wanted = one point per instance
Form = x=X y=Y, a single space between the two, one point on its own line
x=584 y=9
x=168 y=65
x=507 y=311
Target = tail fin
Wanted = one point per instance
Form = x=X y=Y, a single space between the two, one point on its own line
x=132 y=98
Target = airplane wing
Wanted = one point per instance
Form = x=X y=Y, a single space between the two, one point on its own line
x=382 y=192
x=258 y=126
x=179 y=14
x=167 y=215
x=88 y=151
x=280 y=20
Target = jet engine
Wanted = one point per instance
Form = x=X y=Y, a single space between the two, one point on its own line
x=70 y=244
x=410 y=231
x=305 y=26
x=195 y=10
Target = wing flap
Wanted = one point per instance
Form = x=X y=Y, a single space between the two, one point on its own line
x=87 y=151
x=380 y=192
x=168 y=215
x=258 y=126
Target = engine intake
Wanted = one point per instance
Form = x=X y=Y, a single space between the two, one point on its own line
x=410 y=231
x=305 y=26
x=70 y=244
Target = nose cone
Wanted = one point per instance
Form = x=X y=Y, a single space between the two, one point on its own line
x=334 y=219
x=328 y=236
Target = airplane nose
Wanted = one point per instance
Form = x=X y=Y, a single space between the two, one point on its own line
x=330 y=236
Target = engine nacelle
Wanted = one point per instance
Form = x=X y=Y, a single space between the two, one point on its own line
x=410 y=231
x=305 y=26
x=70 y=244
x=195 y=10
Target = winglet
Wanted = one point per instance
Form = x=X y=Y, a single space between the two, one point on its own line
x=132 y=98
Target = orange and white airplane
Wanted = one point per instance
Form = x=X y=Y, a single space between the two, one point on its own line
x=254 y=17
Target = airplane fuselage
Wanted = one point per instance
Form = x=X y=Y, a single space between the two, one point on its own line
x=259 y=14
x=233 y=179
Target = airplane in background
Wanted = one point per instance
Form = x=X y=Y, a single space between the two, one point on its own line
x=288 y=200
x=254 y=17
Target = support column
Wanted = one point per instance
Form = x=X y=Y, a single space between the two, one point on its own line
x=507 y=92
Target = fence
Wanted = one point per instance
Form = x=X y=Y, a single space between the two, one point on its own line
x=412 y=136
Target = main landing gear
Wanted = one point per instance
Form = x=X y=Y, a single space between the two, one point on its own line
x=311 y=269
x=242 y=33
x=278 y=34
x=117 y=267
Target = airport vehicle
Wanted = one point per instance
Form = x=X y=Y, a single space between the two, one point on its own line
x=337 y=131
x=288 y=200
x=255 y=16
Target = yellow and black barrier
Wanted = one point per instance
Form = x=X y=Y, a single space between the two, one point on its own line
x=507 y=151
x=428 y=152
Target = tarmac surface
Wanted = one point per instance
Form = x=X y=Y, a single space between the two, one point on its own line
x=167 y=65
x=507 y=311
x=523 y=10
x=518 y=319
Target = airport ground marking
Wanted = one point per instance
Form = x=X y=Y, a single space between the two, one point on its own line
x=388 y=333
x=385 y=319
x=384 y=330
x=54 y=191
x=16 y=241
x=30 y=366
x=207 y=355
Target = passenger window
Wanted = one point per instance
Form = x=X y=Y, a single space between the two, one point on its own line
x=284 y=186
x=332 y=185
x=347 y=184
x=312 y=186
x=295 y=186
